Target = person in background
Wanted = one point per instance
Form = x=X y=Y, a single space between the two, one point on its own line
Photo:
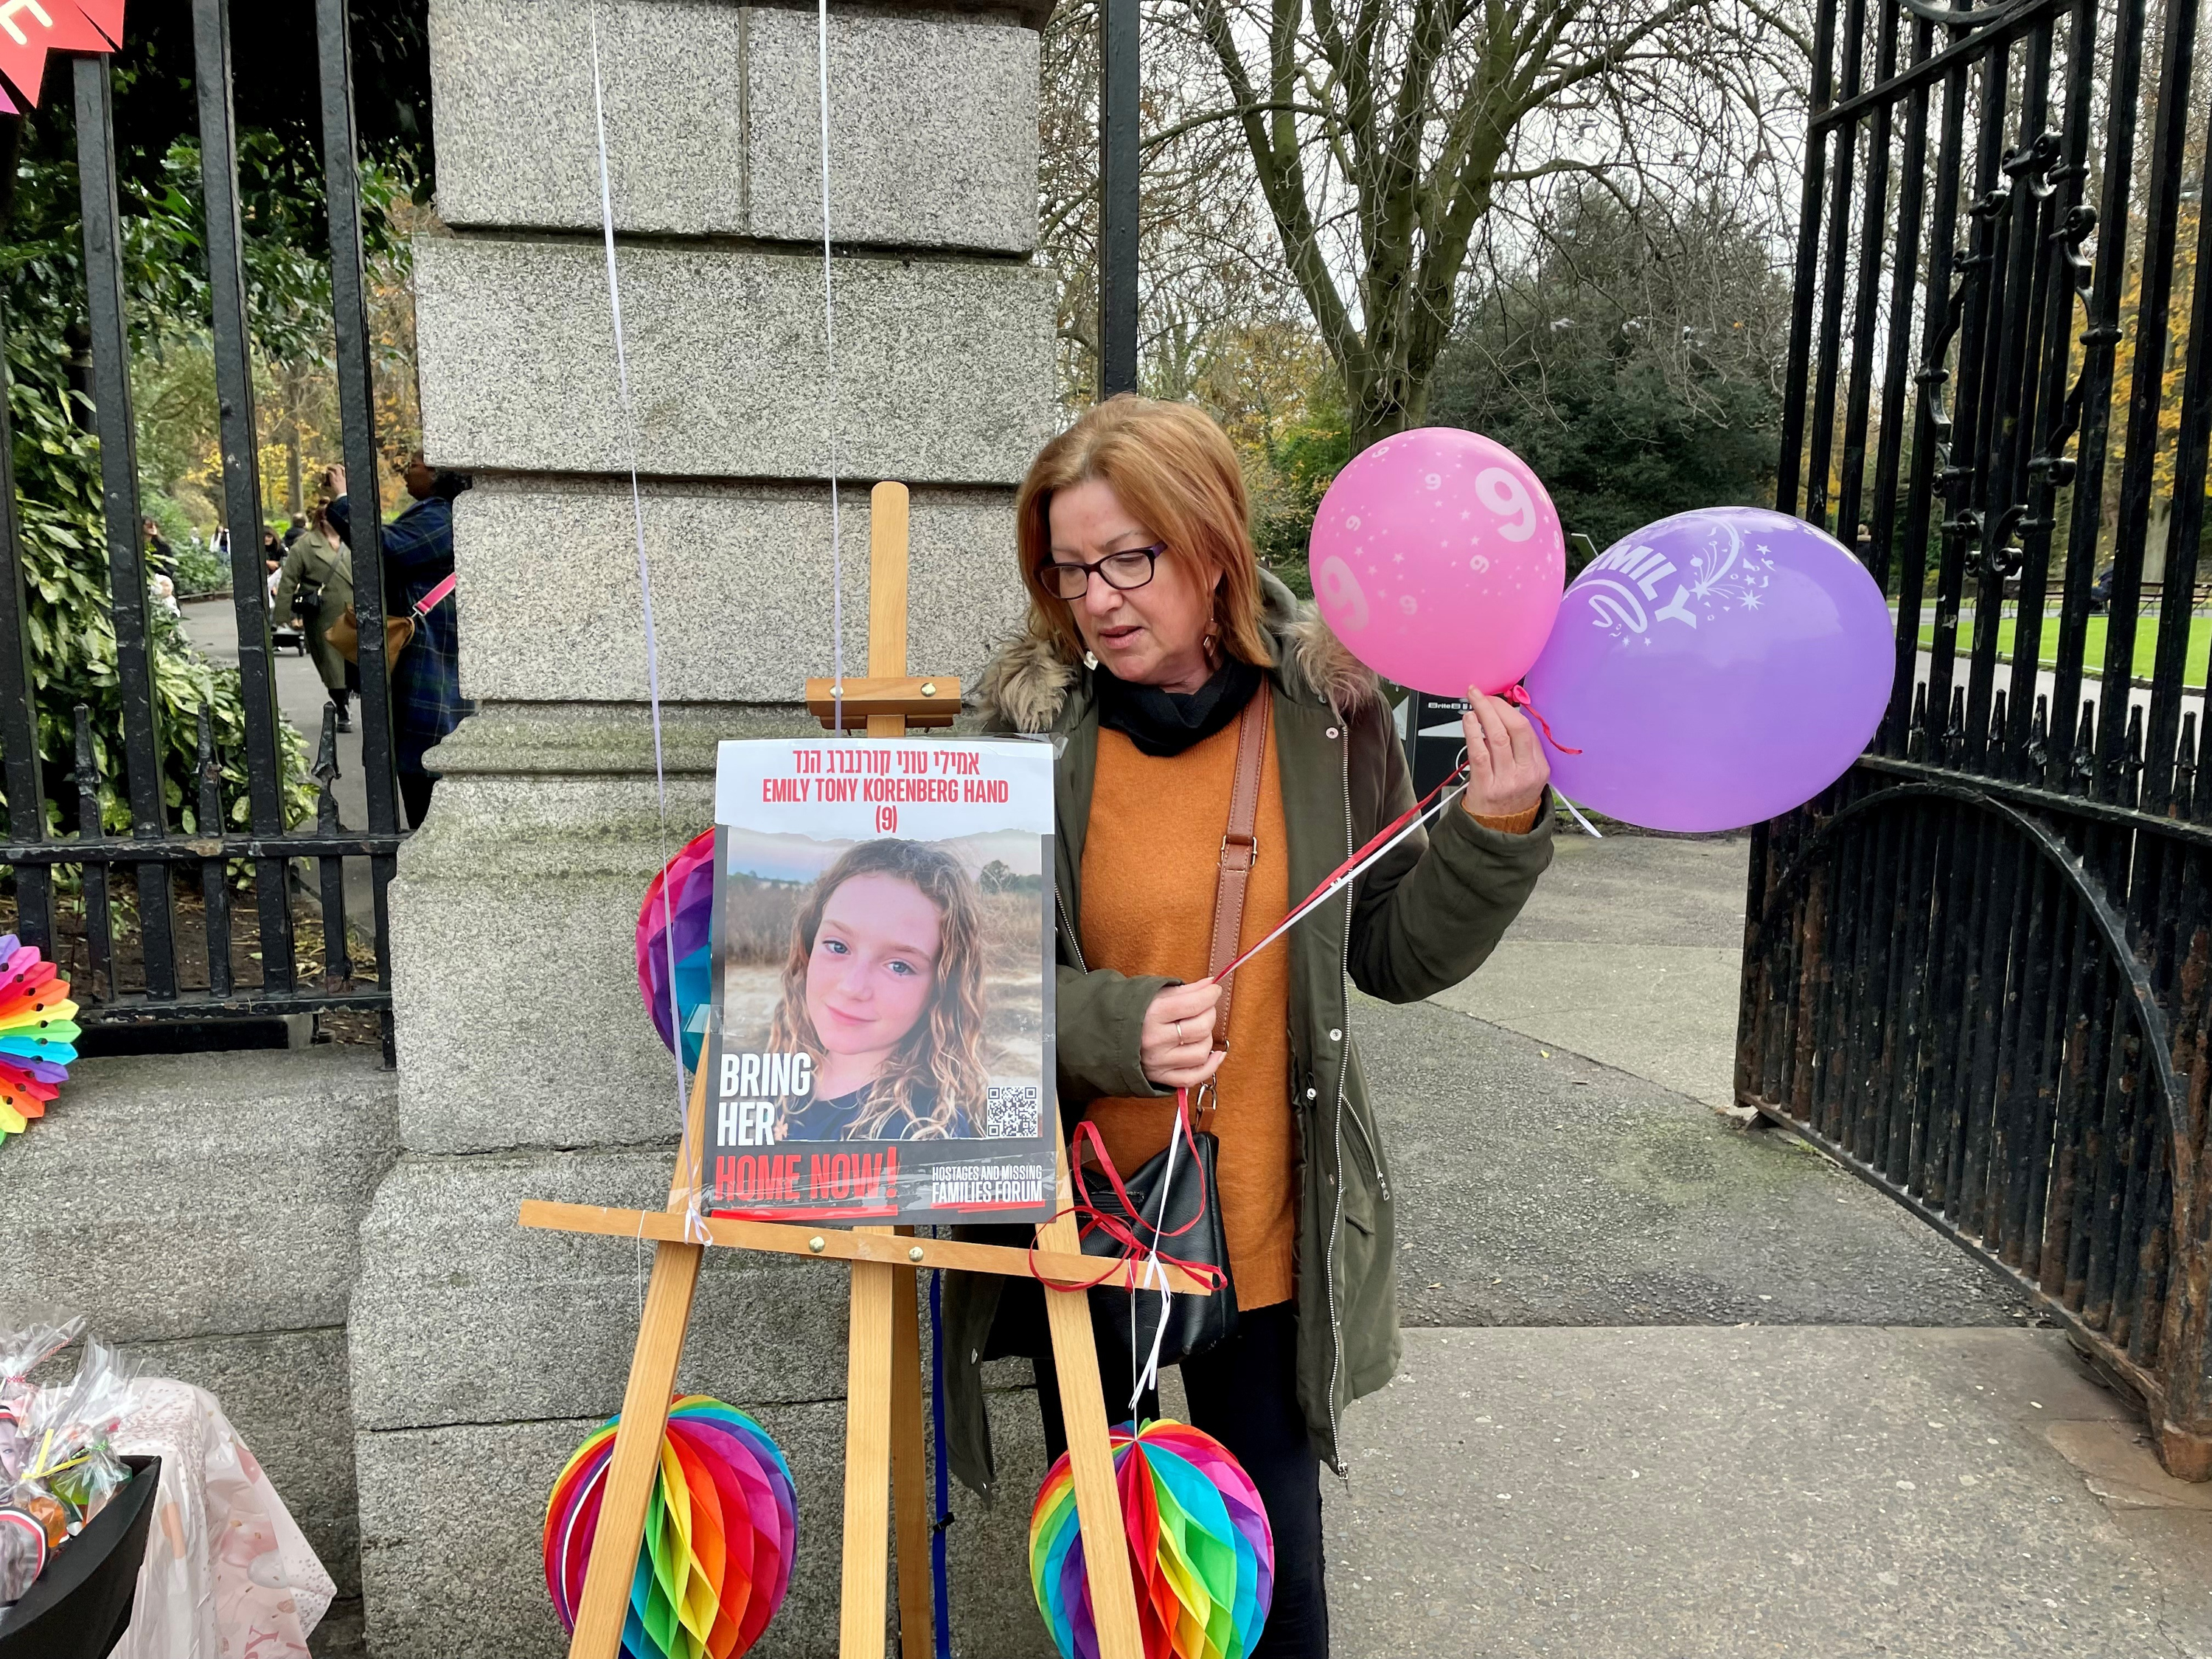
x=161 y=557
x=316 y=579
x=295 y=530
x=426 y=676
x=2100 y=591
x=272 y=544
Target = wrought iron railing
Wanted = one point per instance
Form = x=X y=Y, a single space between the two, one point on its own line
x=1975 y=969
x=156 y=858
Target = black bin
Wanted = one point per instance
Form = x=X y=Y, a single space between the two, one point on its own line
x=81 y=1604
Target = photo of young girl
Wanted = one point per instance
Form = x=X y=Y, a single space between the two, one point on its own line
x=880 y=1039
x=883 y=988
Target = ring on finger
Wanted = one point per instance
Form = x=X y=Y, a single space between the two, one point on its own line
x=1179 y=1036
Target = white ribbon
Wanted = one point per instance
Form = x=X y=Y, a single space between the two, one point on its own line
x=830 y=389
x=1314 y=900
x=1576 y=813
x=694 y=1224
x=1148 y=1375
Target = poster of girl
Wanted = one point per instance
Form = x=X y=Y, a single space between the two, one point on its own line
x=879 y=1032
x=883 y=988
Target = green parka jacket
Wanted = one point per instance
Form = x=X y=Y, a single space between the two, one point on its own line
x=1421 y=920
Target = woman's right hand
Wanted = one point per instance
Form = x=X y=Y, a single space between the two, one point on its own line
x=1176 y=1043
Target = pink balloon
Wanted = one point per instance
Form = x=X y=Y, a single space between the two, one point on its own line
x=1439 y=560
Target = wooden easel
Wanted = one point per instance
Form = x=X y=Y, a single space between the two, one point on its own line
x=885 y=1454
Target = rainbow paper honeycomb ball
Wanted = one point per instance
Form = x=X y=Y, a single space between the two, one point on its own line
x=673 y=925
x=1201 y=1550
x=719 y=1536
x=38 y=1035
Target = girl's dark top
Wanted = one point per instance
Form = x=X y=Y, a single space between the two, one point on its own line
x=831 y=1119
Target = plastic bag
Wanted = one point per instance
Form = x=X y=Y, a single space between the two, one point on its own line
x=69 y=1469
x=28 y=1335
x=227 y=1570
x=23 y=1554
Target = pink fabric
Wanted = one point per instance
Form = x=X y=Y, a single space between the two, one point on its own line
x=228 y=1574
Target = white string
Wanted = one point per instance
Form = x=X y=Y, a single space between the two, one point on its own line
x=694 y=1224
x=1149 y=1374
x=1577 y=814
x=829 y=397
x=1313 y=902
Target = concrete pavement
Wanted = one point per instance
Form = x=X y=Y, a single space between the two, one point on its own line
x=1673 y=1388
x=1629 y=951
x=1538 y=1188
x=1814 y=1492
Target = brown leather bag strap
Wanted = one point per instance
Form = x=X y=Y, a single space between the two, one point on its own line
x=1240 y=850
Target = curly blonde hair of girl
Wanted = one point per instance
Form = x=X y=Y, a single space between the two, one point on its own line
x=943 y=1055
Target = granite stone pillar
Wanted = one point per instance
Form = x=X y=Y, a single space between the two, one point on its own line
x=482 y=1354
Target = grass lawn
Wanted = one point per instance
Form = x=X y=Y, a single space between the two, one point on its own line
x=2093 y=656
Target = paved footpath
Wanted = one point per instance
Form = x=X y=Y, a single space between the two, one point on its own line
x=1672 y=1388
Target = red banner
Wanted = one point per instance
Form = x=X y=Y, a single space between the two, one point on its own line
x=105 y=15
x=29 y=29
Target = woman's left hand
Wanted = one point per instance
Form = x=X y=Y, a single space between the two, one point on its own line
x=1506 y=771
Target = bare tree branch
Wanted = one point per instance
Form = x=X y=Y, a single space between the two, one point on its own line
x=1417 y=113
x=1358 y=173
x=1191 y=124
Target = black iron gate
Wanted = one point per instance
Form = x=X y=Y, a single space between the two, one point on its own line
x=1976 y=969
x=156 y=975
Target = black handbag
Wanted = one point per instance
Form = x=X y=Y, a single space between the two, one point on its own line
x=1171 y=1203
x=1171 y=1207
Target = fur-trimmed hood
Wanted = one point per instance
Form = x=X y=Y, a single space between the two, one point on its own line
x=1027 y=681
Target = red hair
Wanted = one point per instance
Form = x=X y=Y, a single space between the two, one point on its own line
x=1172 y=468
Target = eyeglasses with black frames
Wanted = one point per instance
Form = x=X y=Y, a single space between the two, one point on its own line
x=1130 y=568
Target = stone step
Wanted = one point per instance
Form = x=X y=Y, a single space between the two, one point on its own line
x=203 y=1211
x=184 y=1195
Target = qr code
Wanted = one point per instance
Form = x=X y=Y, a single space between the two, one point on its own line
x=1014 y=1111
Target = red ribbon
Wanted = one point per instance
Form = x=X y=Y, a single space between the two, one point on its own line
x=1517 y=695
x=1118 y=1228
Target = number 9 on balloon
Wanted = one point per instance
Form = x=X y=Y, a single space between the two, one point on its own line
x=1439 y=560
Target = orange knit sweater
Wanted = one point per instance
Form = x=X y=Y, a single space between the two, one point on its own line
x=1151 y=857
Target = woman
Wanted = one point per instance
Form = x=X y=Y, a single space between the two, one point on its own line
x=319 y=571
x=883 y=989
x=426 y=677
x=1150 y=627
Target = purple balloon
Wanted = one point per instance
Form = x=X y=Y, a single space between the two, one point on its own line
x=1714 y=669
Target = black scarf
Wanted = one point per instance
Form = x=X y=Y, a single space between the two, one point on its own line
x=1168 y=723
